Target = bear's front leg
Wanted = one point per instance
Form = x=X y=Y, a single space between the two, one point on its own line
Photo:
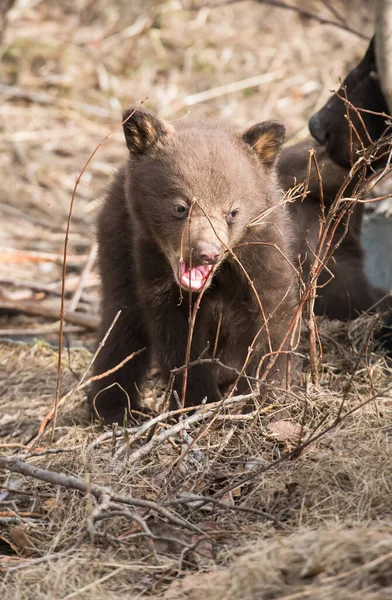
x=112 y=396
x=170 y=331
x=117 y=393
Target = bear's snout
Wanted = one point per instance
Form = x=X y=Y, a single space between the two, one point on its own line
x=206 y=254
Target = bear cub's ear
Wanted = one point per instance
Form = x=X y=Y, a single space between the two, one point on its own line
x=266 y=139
x=144 y=130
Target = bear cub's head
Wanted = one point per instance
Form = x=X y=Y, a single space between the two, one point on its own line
x=195 y=187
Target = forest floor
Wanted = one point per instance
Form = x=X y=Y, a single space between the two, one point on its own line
x=297 y=497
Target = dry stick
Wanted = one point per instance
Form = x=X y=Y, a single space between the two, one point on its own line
x=36 y=561
x=358 y=112
x=377 y=177
x=371 y=200
x=98 y=350
x=241 y=374
x=248 y=278
x=209 y=361
x=222 y=90
x=191 y=318
x=334 y=216
x=11 y=91
x=39 y=331
x=350 y=381
x=84 y=276
x=324 y=244
x=62 y=311
x=38 y=286
x=334 y=11
x=151 y=424
x=333 y=220
x=298 y=449
x=22 y=514
x=115 y=510
x=202 y=414
x=314 y=366
x=301 y=11
x=41 y=310
x=309 y=15
x=10 y=255
x=218 y=328
x=190 y=336
x=80 y=387
x=196 y=499
x=293 y=194
x=192 y=324
x=76 y=483
x=173 y=374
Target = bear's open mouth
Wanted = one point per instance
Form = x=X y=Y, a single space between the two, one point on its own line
x=195 y=278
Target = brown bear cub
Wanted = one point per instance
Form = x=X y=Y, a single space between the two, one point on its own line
x=177 y=221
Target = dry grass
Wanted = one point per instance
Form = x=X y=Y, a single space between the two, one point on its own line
x=330 y=505
x=332 y=563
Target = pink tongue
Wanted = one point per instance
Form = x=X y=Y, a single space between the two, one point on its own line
x=195 y=278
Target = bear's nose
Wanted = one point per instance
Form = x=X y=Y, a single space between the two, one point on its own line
x=317 y=130
x=209 y=255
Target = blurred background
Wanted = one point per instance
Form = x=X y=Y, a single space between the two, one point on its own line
x=68 y=68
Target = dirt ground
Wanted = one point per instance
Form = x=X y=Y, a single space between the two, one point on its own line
x=299 y=494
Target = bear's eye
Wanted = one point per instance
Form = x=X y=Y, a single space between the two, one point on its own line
x=231 y=217
x=181 y=210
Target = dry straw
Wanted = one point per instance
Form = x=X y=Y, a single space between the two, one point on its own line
x=289 y=501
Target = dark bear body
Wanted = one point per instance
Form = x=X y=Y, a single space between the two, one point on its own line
x=170 y=222
x=330 y=126
x=348 y=292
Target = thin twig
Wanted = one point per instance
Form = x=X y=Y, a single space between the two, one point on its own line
x=64 y=269
x=83 y=277
x=76 y=483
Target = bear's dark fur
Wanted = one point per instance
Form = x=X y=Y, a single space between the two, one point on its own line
x=175 y=211
x=330 y=126
x=348 y=292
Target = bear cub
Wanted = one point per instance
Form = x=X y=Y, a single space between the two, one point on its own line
x=194 y=209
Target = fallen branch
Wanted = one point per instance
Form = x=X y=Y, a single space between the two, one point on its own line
x=222 y=90
x=39 y=331
x=9 y=255
x=40 y=309
x=71 y=482
x=10 y=91
x=198 y=501
x=203 y=414
x=36 y=286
